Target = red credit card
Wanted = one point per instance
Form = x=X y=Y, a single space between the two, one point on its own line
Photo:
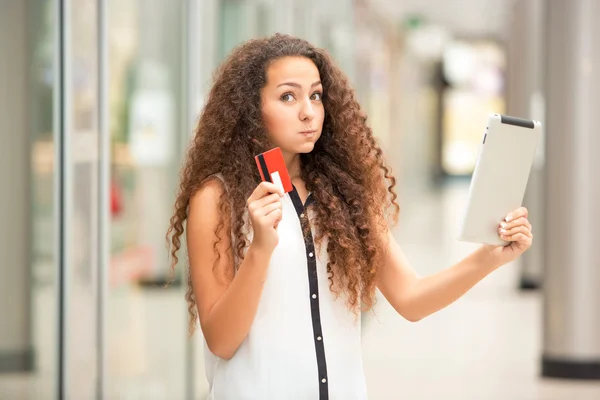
x=271 y=166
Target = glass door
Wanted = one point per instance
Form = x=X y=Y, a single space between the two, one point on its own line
x=29 y=266
x=146 y=322
x=79 y=208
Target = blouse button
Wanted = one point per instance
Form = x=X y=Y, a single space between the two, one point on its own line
x=302 y=215
x=310 y=254
x=319 y=338
x=323 y=380
x=314 y=296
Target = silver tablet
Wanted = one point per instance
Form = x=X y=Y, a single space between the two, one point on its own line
x=500 y=176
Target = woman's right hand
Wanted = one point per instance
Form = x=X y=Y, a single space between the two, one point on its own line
x=265 y=209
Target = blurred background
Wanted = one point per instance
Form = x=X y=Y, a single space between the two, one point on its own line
x=98 y=99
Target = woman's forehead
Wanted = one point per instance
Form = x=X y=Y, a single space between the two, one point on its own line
x=293 y=69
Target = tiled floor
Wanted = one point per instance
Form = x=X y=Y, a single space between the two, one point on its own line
x=486 y=346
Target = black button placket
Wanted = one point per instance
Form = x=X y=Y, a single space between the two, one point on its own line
x=313 y=284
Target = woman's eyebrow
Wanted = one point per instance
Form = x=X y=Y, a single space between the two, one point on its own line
x=297 y=85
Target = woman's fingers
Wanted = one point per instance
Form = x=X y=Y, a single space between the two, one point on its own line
x=257 y=205
x=512 y=233
x=520 y=239
x=516 y=229
x=263 y=189
x=269 y=208
x=274 y=217
x=270 y=199
x=516 y=224
x=518 y=213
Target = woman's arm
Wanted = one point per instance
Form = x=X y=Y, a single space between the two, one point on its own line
x=415 y=298
x=226 y=302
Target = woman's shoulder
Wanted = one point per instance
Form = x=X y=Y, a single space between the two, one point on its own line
x=206 y=199
x=212 y=187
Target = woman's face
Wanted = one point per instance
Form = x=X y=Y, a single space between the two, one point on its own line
x=292 y=106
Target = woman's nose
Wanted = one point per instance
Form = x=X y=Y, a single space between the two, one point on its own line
x=307 y=112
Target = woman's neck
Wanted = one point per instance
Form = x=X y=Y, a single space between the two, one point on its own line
x=292 y=162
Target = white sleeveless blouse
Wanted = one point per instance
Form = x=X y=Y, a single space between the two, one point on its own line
x=304 y=343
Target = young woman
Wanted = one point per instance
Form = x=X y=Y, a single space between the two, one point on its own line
x=278 y=281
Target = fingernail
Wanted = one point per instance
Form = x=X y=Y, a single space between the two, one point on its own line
x=508 y=218
x=504 y=224
x=502 y=231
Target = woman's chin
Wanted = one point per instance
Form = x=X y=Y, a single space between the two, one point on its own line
x=299 y=148
x=306 y=147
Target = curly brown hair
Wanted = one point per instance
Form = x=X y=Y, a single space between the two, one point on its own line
x=352 y=186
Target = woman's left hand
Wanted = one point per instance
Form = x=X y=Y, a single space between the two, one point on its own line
x=516 y=230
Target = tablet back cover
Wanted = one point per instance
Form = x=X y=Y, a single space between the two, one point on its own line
x=500 y=176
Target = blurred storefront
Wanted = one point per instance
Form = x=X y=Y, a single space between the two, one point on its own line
x=474 y=72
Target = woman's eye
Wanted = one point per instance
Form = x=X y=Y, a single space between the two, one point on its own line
x=317 y=96
x=287 y=97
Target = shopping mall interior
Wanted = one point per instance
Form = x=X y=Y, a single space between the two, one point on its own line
x=99 y=99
